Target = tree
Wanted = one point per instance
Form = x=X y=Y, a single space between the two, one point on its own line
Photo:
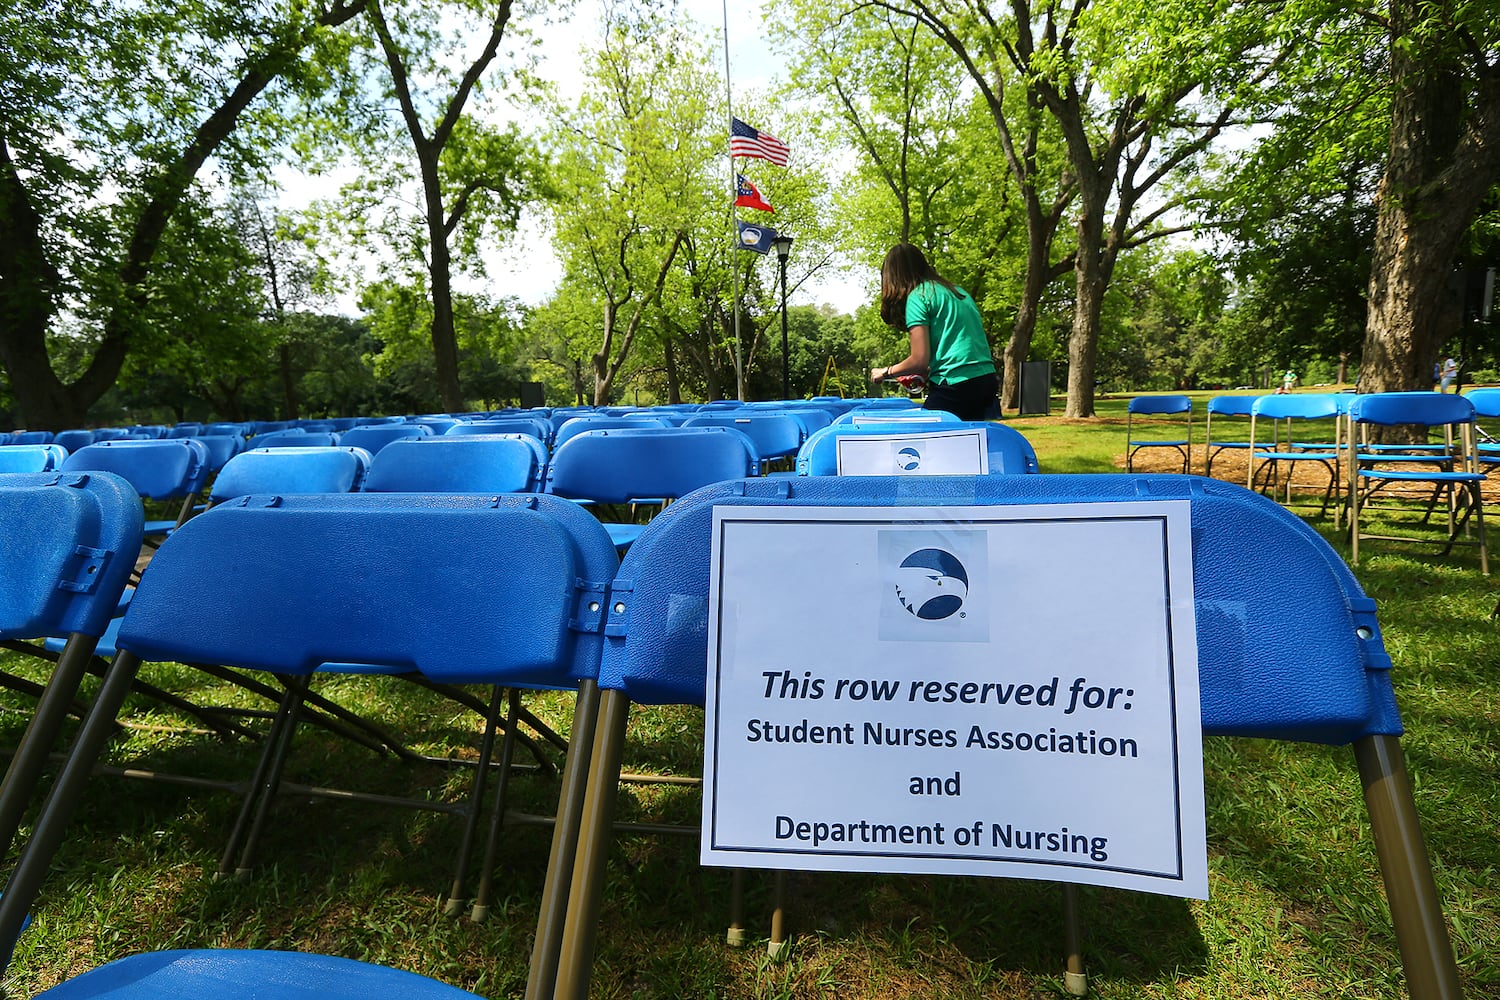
x=108 y=113
x=1137 y=90
x=463 y=168
x=1443 y=161
x=632 y=178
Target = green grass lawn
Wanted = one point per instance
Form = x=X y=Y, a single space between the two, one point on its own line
x=1296 y=907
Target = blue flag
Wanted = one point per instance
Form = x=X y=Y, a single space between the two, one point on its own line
x=757 y=238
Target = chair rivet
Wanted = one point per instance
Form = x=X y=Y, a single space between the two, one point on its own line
x=619 y=607
x=593 y=605
x=1365 y=632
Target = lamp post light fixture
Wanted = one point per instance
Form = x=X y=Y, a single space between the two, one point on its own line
x=782 y=244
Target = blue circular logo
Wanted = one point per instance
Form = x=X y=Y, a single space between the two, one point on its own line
x=908 y=458
x=932 y=584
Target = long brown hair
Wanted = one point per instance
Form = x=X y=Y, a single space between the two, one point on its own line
x=904 y=268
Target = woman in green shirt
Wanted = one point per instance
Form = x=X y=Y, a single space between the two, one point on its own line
x=948 y=345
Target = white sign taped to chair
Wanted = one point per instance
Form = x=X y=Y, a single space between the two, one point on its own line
x=929 y=453
x=1002 y=690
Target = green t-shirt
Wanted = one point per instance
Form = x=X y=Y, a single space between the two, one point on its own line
x=955 y=333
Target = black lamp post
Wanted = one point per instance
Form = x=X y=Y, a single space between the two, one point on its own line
x=783 y=247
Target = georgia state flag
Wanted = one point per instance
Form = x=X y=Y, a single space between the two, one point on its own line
x=747 y=195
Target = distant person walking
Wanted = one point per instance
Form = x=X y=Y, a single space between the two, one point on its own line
x=1448 y=374
x=1288 y=380
x=947 y=343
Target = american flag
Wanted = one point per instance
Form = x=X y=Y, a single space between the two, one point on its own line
x=746 y=141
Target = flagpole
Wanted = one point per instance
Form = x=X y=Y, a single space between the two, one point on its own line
x=734 y=243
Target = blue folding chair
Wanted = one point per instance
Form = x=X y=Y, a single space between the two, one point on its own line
x=68 y=543
x=571 y=425
x=1149 y=417
x=1009 y=451
x=72 y=440
x=1289 y=648
x=31 y=457
x=350 y=578
x=291 y=470
x=776 y=435
x=464 y=463
x=649 y=466
x=164 y=470
x=1282 y=414
x=538 y=427
x=1233 y=411
x=374 y=437
x=1445 y=466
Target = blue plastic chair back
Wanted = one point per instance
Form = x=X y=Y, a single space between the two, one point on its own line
x=74 y=439
x=1009 y=451
x=1486 y=402
x=575 y=425
x=622 y=465
x=350 y=579
x=1391 y=409
x=465 y=463
x=221 y=448
x=538 y=427
x=372 y=438
x=32 y=457
x=163 y=469
x=776 y=435
x=233 y=974
x=68 y=544
x=1231 y=406
x=31 y=437
x=1159 y=405
x=1295 y=406
x=1288 y=644
x=291 y=471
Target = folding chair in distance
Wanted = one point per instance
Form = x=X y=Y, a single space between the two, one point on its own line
x=1149 y=417
x=1232 y=411
x=1288 y=645
x=639 y=465
x=1281 y=414
x=351 y=578
x=1446 y=465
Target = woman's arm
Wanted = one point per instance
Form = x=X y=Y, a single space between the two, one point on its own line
x=916 y=361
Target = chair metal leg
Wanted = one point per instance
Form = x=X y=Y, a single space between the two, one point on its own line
x=778 y=914
x=36 y=858
x=474 y=808
x=481 y=909
x=267 y=792
x=1075 y=980
x=1416 y=912
x=542 y=974
x=580 y=932
x=25 y=770
x=275 y=743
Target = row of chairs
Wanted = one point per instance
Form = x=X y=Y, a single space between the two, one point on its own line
x=1367 y=446
x=551 y=417
x=1300 y=658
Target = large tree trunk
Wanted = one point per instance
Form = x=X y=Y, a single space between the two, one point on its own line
x=1442 y=163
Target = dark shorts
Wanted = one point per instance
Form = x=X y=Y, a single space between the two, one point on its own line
x=971 y=399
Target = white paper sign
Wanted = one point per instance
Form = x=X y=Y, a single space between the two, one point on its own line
x=926 y=453
x=1001 y=690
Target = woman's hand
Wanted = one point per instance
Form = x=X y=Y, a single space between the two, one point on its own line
x=878 y=374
